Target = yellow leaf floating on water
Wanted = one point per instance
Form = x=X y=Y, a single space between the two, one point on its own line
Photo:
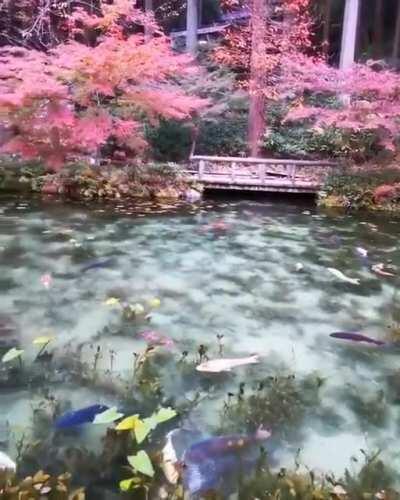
x=112 y=302
x=128 y=423
x=43 y=340
x=154 y=303
x=13 y=353
x=126 y=484
x=142 y=463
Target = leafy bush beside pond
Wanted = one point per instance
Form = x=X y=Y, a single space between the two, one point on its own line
x=359 y=189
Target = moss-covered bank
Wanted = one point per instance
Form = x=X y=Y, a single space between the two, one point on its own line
x=81 y=181
x=371 y=188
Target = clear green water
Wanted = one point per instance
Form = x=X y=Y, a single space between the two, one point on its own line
x=241 y=283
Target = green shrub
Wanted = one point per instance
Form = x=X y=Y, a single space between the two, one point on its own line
x=303 y=142
x=226 y=137
x=171 y=141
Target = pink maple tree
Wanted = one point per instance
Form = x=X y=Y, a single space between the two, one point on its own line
x=73 y=99
x=367 y=98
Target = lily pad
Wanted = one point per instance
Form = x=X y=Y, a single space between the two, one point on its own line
x=108 y=416
x=142 y=463
x=13 y=353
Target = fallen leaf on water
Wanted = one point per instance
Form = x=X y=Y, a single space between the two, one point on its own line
x=108 y=416
x=154 y=303
x=13 y=353
x=137 y=308
x=42 y=340
x=164 y=414
x=142 y=429
x=128 y=423
x=142 y=463
x=112 y=301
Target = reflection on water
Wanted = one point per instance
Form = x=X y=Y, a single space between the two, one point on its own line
x=239 y=279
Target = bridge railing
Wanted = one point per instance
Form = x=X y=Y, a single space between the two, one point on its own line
x=260 y=170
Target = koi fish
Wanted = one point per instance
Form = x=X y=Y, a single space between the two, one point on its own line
x=338 y=274
x=207 y=463
x=79 y=417
x=177 y=442
x=357 y=337
x=155 y=338
x=97 y=264
x=226 y=364
x=46 y=280
x=215 y=446
x=379 y=269
x=6 y=464
x=219 y=226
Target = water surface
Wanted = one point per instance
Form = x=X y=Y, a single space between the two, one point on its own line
x=239 y=281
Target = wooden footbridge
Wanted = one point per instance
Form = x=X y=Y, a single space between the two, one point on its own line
x=259 y=174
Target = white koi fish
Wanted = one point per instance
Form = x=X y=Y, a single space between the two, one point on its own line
x=338 y=274
x=6 y=463
x=380 y=270
x=226 y=364
x=169 y=460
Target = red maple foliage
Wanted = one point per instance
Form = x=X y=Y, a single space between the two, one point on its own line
x=288 y=30
x=75 y=98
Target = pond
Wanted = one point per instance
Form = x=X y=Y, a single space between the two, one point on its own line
x=231 y=278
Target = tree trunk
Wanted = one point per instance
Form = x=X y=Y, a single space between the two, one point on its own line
x=256 y=123
x=192 y=24
x=327 y=14
x=148 y=30
x=396 y=43
x=377 y=47
x=349 y=35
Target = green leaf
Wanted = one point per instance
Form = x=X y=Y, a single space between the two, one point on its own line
x=142 y=463
x=142 y=429
x=13 y=353
x=164 y=414
x=108 y=416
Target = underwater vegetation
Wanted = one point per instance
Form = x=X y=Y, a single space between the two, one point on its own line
x=276 y=402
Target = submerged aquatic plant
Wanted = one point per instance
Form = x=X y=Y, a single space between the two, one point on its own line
x=276 y=402
x=375 y=480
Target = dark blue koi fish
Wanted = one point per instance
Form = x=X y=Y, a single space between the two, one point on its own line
x=357 y=337
x=213 y=463
x=79 y=417
x=216 y=446
x=97 y=264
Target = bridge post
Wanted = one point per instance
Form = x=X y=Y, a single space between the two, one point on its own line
x=291 y=169
x=233 y=172
x=261 y=173
x=201 y=169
